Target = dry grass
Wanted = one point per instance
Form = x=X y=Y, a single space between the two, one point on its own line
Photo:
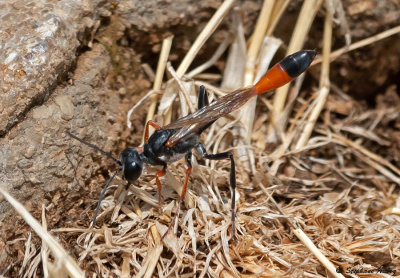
x=317 y=199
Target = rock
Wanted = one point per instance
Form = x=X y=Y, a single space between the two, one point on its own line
x=38 y=45
x=37 y=156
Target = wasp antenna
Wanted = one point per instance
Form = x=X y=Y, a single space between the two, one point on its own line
x=94 y=147
x=103 y=192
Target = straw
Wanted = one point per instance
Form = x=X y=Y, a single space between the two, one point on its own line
x=248 y=109
x=162 y=62
x=324 y=84
x=370 y=40
x=279 y=7
x=67 y=262
x=199 y=42
x=316 y=252
x=44 y=249
x=303 y=24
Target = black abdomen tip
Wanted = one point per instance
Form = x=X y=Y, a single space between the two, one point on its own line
x=298 y=62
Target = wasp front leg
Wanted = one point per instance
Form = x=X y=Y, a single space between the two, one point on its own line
x=146 y=129
x=232 y=178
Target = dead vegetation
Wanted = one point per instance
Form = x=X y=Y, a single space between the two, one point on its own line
x=317 y=190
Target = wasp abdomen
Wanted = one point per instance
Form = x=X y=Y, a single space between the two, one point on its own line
x=285 y=71
x=298 y=62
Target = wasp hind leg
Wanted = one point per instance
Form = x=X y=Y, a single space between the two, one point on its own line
x=188 y=158
x=202 y=98
x=232 y=178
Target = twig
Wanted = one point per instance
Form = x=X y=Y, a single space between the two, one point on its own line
x=218 y=53
x=203 y=36
x=302 y=236
x=182 y=86
x=303 y=24
x=392 y=211
x=162 y=62
x=139 y=103
x=378 y=167
x=370 y=155
x=256 y=41
x=310 y=245
x=324 y=84
x=199 y=42
x=43 y=251
x=359 y=44
x=277 y=12
x=247 y=113
x=248 y=109
x=70 y=266
x=156 y=252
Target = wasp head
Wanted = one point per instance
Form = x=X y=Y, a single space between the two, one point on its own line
x=132 y=164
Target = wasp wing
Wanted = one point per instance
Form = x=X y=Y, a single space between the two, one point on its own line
x=280 y=74
x=201 y=119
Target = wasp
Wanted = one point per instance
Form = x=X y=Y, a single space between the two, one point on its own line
x=176 y=140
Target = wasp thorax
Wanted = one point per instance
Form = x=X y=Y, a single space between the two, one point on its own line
x=132 y=164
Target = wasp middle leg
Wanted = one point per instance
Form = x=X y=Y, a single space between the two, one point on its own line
x=188 y=158
x=159 y=174
x=232 y=178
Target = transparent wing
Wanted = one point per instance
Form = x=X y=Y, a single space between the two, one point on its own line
x=280 y=74
x=196 y=121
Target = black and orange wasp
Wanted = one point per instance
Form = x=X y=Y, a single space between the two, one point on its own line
x=176 y=140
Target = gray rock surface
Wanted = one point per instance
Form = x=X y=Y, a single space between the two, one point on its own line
x=38 y=45
x=39 y=42
x=147 y=15
x=37 y=156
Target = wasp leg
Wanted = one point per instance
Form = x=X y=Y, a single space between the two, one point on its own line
x=219 y=156
x=188 y=158
x=202 y=98
x=146 y=129
x=159 y=174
